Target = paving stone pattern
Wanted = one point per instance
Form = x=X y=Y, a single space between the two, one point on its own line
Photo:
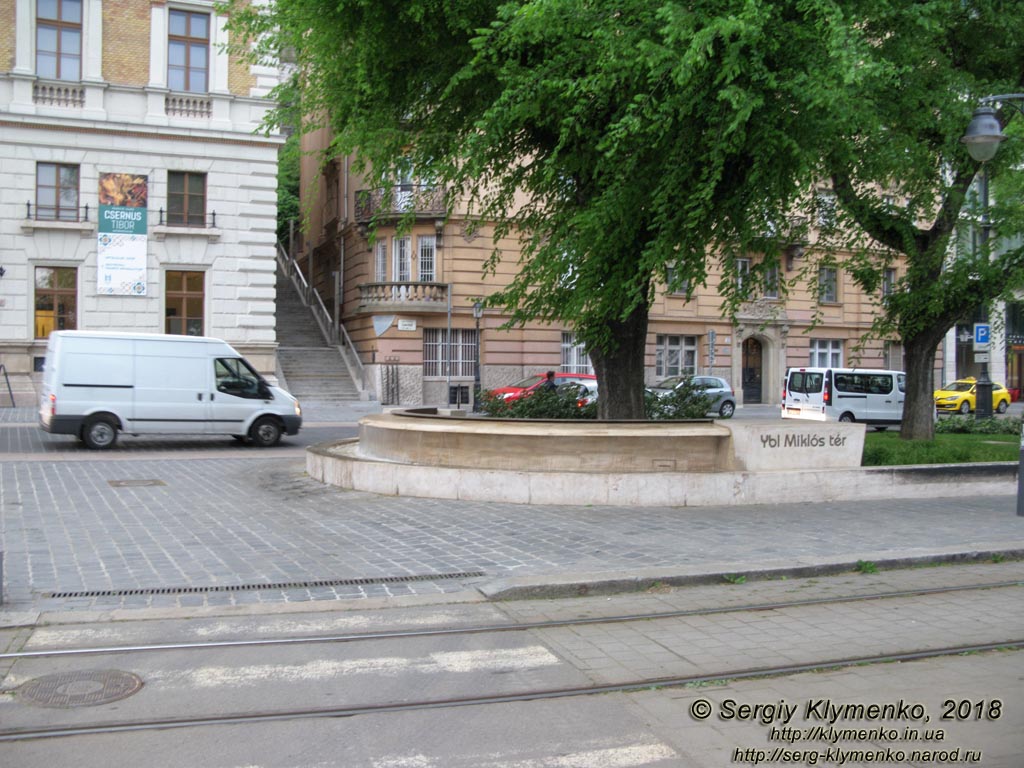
x=250 y=521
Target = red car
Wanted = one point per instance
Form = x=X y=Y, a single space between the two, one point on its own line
x=532 y=384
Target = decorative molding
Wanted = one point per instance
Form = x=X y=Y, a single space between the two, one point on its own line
x=84 y=228
x=160 y=233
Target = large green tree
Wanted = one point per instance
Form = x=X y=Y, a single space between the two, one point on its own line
x=902 y=175
x=648 y=138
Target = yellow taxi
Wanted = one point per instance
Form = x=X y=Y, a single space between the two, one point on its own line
x=959 y=396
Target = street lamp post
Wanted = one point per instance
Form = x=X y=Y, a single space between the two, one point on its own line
x=983 y=136
x=478 y=312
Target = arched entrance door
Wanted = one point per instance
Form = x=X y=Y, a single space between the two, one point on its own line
x=751 y=367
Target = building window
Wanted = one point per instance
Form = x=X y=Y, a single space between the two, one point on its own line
x=56 y=192
x=826 y=353
x=380 y=261
x=56 y=300
x=892 y=356
x=574 y=355
x=428 y=252
x=188 y=51
x=462 y=352
x=825 y=205
x=675 y=356
x=401 y=271
x=771 y=281
x=59 y=39
x=828 y=285
x=185 y=297
x=888 y=282
x=680 y=290
x=186 y=199
x=742 y=271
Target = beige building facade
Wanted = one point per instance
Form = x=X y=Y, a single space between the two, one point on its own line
x=397 y=290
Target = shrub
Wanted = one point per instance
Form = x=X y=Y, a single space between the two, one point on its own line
x=686 y=401
x=971 y=425
x=542 y=404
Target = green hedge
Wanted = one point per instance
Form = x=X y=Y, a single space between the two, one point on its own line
x=686 y=402
x=972 y=426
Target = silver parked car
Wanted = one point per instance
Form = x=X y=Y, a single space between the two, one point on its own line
x=718 y=389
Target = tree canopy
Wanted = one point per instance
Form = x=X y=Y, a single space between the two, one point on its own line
x=652 y=138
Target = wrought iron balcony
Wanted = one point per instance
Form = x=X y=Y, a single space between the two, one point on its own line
x=422 y=200
x=55 y=213
x=403 y=296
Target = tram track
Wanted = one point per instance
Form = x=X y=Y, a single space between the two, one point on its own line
x=503 y=627
x=484 y=690
x=241 y=718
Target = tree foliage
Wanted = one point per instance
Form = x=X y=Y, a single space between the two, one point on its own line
x=655 y=136
x=288 y=193
x=902 y=175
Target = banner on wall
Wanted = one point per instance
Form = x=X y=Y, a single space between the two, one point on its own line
x=122 y=235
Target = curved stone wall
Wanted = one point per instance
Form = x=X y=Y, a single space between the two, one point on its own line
x=679 y=464
x=424 y=438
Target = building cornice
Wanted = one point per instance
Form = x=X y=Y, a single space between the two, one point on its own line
x=158 y=132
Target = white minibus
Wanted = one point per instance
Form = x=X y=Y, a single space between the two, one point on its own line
x=873 y=397
x=96 y=384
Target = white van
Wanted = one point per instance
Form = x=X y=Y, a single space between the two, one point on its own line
x=873 y=397
x=96 y=384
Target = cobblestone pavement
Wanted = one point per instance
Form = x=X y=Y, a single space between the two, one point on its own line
x=164 y=524
x=199 y=521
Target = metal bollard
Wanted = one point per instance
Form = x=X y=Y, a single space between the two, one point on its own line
x=1020 y=475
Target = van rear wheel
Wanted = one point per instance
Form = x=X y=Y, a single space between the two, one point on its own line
x=266 y=432
x=99 y=432
x=847 y=418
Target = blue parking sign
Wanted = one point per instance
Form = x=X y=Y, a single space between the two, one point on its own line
x=981 y=336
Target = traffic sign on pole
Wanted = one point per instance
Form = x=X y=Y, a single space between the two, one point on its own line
x=982 y=333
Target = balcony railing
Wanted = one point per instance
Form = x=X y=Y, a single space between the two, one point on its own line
x=393 y=202
x=58 y=94
x=403 y=296
x=50 y=213
x=188 y=105
x=164 y=220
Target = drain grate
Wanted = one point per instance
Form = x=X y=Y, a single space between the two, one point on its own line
x=134 y=483
x=80 y=689
x=275 y=585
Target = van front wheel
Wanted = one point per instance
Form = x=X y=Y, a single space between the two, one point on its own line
x=99 y=432
x=266 y=432
x=847 y=418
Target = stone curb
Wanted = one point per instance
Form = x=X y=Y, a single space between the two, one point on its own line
x=581 y=585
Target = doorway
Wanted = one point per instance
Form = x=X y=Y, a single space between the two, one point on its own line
x=751 y=371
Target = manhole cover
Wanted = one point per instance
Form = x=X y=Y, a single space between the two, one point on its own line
x=134 y=483
x=80 y=689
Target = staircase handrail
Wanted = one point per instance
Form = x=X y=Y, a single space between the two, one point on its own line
x=3 y=370
x=334 y=333
x=309 y=296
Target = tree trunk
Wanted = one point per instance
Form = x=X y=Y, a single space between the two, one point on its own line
x=620 y=370
x=919 y=406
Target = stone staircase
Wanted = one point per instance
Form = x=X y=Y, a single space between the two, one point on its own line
x=313 y=370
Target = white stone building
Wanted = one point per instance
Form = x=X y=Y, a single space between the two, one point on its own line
x=131 y=103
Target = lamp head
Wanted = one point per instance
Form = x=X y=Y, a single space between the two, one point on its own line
x=983 y=134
